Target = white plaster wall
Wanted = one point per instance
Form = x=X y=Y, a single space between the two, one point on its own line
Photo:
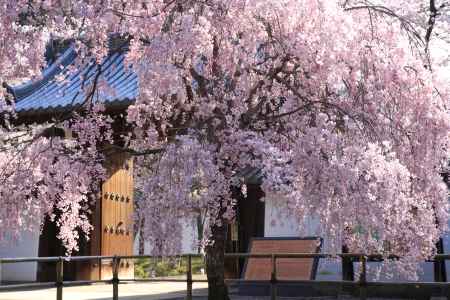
x=26 y=246
x=188 y=243
x=279 y=223
x=446 y=240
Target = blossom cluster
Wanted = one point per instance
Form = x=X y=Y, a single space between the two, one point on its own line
x=342 y=105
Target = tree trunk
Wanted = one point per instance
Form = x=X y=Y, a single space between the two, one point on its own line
x=199 y=231
x=217 y=290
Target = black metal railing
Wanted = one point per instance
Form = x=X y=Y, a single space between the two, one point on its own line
x=361 y=284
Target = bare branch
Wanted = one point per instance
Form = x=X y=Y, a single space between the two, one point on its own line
x=133 y=152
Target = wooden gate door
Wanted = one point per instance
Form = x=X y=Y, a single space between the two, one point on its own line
x=117 y=214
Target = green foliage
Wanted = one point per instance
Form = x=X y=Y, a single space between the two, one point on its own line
x=325 y=272
x=161 y=267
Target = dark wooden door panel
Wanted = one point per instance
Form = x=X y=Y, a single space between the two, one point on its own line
x=117 y=218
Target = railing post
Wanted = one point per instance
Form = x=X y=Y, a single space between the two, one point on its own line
x=189 y=278
x=273 y=279
x=440 y=273
x=237 y=267
x=363 y=278
x=59 y=278
x=115 y=279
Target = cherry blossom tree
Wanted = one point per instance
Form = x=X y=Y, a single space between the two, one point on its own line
x=343 y=106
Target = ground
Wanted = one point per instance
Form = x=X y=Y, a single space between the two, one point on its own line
x=135 y=291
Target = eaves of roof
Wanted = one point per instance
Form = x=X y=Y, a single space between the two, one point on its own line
x=49 y=96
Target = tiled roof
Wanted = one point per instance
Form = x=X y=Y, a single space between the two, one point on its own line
x=49 y=95
x=250 y=175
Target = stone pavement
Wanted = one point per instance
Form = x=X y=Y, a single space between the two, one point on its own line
x=130 y=291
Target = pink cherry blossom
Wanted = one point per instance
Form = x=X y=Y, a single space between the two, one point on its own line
x=342 y=105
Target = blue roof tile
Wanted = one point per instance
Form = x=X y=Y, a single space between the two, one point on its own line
x=47 y=94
